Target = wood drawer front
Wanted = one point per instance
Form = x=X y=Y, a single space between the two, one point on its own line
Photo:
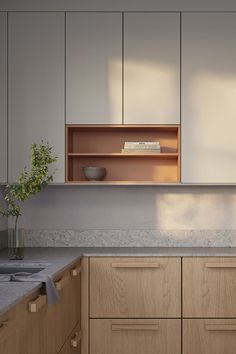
x=209 y=287
x=63 y=316
x=135 y=287
x=135 y=336
x=32 y=324
x=209 y=336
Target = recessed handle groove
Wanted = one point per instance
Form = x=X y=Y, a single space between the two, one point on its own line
x=220 y=327
x=221 y=265
x=135 y=327
x=135 y=265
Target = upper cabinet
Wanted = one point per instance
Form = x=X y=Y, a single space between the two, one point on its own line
x=151 y=68
x=209 y=98
x=94 y=68
x=3 y=97
x=36 y=87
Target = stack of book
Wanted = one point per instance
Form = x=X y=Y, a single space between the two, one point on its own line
x=141 y=147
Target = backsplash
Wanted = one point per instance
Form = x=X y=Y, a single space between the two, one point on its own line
x=131 y=208
x=131 y=216
x=131 y=238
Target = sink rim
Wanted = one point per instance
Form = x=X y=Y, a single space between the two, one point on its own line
x=20 y=264
x=10 y=268
x=14 y=270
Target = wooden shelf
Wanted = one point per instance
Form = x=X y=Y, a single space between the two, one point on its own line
x=100 y=145
x=118 y=154
x=121 y=183
x=123 y=127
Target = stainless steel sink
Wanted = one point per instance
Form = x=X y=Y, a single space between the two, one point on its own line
x=14 y=270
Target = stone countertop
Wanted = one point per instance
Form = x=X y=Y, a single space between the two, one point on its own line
x=158 y=251
x=55 y=260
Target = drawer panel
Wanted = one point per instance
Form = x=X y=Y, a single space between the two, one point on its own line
x=135 y=287
x=209 y=287
x=135 y=336
x=63 y=315
x=209 y=336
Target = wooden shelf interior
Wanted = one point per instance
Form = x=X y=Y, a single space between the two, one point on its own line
x=100 y=145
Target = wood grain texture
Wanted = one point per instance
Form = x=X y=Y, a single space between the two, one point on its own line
x=135 y=292
x=9 y=333
x=198 y=340
x=33 y=331
x=85 y=305
x=100 y=145
x=167 y=340
x=47 y=328
x=65 y=313
x=209 y=291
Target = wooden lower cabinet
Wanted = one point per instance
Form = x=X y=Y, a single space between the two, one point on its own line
x=34 y=327
x=209 y=287
x=32 y=318
x=9 y=333
x=113 y=336
x=73 y=343
x=208 y=336
x=63 y=316
x=135 y=287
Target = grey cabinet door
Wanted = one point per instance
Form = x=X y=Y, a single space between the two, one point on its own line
x=209 y=98
x=36 y=87
x=3 y=97
x=151 y=68
x=94 y=68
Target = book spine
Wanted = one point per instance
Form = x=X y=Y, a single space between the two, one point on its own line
x=143 y=148
x=136 y=151
x=142 y=144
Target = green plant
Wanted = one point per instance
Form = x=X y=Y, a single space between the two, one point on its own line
x=29 y=182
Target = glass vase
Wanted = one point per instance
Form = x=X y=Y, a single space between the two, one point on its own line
x=16 y=243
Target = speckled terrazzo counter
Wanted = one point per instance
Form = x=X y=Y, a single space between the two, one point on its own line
x=130 y=238
x=55 y=260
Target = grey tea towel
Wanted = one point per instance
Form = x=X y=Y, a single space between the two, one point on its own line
x=51 y=291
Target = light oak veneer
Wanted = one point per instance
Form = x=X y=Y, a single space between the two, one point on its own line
x=112 y=336
x=137 y=287
x=209 y=287
x=201 y=336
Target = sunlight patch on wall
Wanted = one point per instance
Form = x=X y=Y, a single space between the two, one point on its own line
x=195 y=210
x=148 y=82
x=212 y=105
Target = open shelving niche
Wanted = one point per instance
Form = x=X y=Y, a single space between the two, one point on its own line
x=100 y=145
